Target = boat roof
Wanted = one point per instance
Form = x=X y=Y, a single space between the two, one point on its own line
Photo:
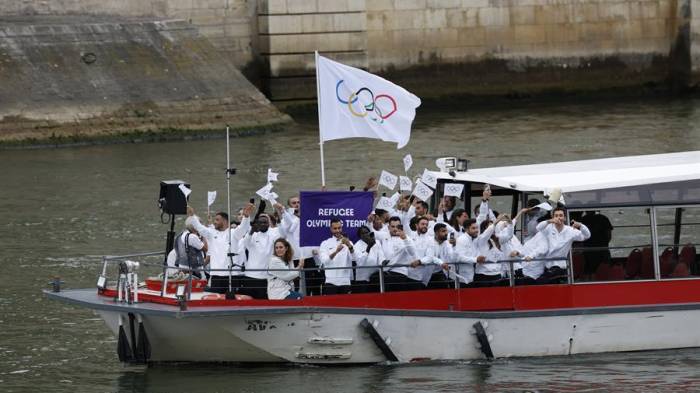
x=587 y=175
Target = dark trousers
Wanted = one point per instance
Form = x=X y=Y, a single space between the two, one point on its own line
x=440 y=281
x=253 y=287
x=374 y=282
x=314 y=278
x=394 y=282
x=553 y=275
x=364 y=287
x=485 y=280
x=330 y=289
x=219 y=284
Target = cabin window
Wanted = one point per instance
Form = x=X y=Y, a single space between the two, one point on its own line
x=678 y=233
x=620 y=246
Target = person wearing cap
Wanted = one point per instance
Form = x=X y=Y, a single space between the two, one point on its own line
x=190 y=249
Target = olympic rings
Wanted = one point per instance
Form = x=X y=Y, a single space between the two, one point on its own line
x=373 y=103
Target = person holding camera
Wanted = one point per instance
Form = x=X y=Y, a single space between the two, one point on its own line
x=336 y=252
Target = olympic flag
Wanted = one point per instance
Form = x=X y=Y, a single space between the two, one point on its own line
x=356 y=104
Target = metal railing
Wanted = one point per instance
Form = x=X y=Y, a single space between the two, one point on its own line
x=382 y=269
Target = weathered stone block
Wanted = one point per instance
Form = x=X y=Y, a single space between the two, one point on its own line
x=562 y=32
x=465 y=18
x=442 y=4
x=409 y=4
x=499 y=36
x=655 y=28
x=272 y=6
x=475 y=3
x=295 y=43
x=442 y=38
x=595 y=32
x=380 y=5
x=529 y=34
x=303 y=64
x=404 y=19
x=435 y=19
x=473 y=36
x=494 y=16
x=375 y=21
x=523 y=15
x=301 y=6
x=608 y=11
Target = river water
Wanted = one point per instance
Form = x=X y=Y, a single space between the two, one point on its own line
x=63 y=208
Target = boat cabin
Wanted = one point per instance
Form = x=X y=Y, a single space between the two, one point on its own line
x=643 y=211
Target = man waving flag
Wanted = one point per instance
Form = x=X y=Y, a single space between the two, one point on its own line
x=356 y=104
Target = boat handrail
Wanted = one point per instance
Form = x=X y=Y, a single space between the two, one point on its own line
x=385 y=266
x=141 y=254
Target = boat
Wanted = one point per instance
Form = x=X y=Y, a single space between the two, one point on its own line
x=644 y=296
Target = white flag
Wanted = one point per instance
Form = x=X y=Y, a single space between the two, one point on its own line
x=422 y=191
x=184 y=190
x=265 y=191
x=356 y=104
x=395 y=198
x=385 y=203
x=429 y=178
x=405 y=184
x=407 y=162
x=545 y=206
x=454 y=189
x=271 y=176
x=211 y=197
x=388 y=180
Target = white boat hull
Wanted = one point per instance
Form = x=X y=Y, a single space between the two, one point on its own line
x=328 y=337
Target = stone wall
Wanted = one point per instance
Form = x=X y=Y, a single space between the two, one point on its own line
x=437 y=47
x=230 y=25
x=72 y=77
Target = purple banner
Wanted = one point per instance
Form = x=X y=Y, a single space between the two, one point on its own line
x=319 y=207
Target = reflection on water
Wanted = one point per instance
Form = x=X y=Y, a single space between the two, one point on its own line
x=63 y=208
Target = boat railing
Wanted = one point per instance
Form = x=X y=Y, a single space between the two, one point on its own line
x=128 y=279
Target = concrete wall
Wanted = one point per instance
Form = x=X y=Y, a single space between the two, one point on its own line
x=437 y=47
x=90 y=77
x=230 y=25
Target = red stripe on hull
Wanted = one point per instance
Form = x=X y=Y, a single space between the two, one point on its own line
x=534 y=297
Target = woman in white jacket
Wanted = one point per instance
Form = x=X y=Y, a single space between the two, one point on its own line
x=281 y=273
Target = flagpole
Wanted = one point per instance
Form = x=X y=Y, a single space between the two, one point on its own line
x=320 y=137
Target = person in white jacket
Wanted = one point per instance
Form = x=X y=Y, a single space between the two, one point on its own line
x=222 y=240
x=368 y=257
x=336 y=253
x=258 y=242
x=281 y=272
x=559 y=238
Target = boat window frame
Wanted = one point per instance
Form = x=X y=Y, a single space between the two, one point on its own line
x=655 y=244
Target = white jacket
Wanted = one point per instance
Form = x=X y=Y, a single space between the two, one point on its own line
x=279 y=283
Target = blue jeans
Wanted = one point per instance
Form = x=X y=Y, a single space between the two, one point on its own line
x=294 y=295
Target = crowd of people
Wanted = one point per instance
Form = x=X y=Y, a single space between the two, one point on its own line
x=259 y=254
